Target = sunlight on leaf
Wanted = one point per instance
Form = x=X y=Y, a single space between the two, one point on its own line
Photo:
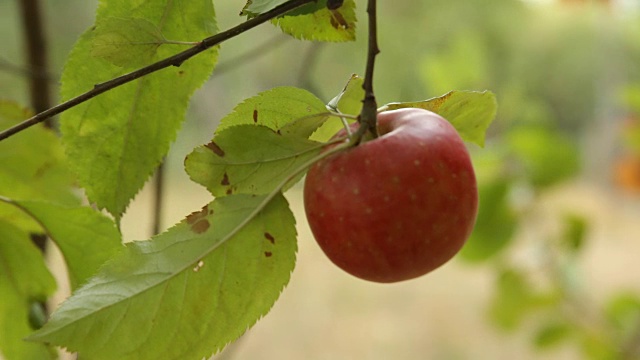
x=24 y=279
x=337 y=25
x=275 y=108
x=470 y=112
x=206 y=280
x=349 y=101
x=249 y=159
x=115 y=141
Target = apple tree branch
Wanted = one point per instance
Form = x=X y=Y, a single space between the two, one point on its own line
x=175 y=60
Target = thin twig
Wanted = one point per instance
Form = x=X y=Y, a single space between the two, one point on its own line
x=369 y=106
x=175 y=60
x=158 y=198
x=9 y=67
x=250 y=55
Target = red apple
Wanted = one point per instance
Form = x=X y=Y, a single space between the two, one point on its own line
x=398 y=206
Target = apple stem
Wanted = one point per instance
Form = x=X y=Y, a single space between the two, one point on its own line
x=368 y=115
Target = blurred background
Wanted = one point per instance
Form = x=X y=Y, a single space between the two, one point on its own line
x=552 y=270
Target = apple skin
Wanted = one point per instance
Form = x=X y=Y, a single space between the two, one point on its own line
x=398 y=206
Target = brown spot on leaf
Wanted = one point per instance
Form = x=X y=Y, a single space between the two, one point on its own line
x=225 y=180
x=270 y=238
x=435 y=104
x=268 y=253
x=215 y=148
x=255 y=116
x=200 y=226
x=197 y=215
x=229 y=191
x=338 y=21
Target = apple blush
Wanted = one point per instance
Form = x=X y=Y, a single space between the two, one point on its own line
x=398 y=206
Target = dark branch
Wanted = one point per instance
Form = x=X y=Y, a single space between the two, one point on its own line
x=368 y=114
x=158 y=198
x=251 y=55
x=36 y=51
x=175 y=60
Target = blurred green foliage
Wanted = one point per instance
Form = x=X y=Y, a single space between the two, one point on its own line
x=554 y=69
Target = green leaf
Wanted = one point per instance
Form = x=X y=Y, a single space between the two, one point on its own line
x=598 y=346
x=12 y=111
x=126 y=42
x=513 y=299
x=545 y=157
x=623 y=311
x=575 y=231
x=249 y=159
x=307 y=126
x=495 y=225
x=631 y=137
x=349 y=101
x=337 y=25
x=470 y=112
x=115 y=141
x=32 y=166
x=86 y=238
x=276 y=108
x=24 y=279
x=552 y=334
x=204 y=282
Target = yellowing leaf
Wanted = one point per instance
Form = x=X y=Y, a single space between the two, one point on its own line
x=470 y=112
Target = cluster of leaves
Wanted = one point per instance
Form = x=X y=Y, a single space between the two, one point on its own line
x=191 y=290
